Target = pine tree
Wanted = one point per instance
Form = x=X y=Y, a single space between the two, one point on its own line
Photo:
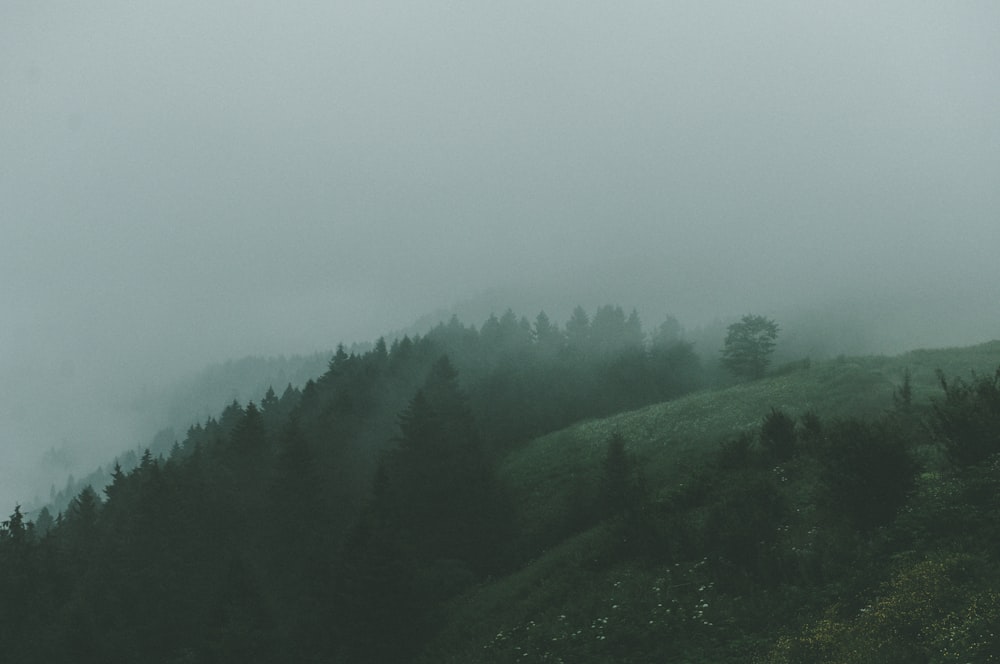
x=439 y=479
x=578 y=330
x=249 y=435
x=117 y=485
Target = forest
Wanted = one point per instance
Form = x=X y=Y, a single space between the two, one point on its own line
x=536 y=491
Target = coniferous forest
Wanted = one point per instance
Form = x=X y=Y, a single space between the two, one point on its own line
x=542 y=491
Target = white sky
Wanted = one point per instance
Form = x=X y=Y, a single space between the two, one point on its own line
x=182 y=182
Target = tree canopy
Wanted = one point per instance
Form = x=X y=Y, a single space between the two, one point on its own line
x=746 y=352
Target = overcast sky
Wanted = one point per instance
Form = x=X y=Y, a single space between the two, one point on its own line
x=182 y=182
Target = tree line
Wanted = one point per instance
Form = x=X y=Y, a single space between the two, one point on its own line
x=311 y=522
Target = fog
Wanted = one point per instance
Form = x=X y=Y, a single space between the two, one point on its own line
x=185 y=182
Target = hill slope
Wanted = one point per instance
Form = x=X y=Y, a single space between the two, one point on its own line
x=669 y=437
x=564 y=604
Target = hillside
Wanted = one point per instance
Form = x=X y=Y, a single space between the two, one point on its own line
x=582 y=589
x=425 y=500
x=669 y=437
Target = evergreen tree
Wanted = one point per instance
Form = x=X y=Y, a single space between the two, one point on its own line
x=44 y=522
x=668 y=333
x=380 y=351
x=249 y=436
x=607 y=330
x=15 y=530
x=578 y=330
x=117 y=485
x=439 y=477
x=547 y=336
x=269 y=401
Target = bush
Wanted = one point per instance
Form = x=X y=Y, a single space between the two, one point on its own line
x=777 y=435
x=867 y=473
x=968 y=419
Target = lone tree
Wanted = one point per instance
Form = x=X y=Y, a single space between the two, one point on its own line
x=748 y=346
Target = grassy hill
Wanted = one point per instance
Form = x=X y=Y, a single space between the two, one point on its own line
x=670 y=437
x=578 y=600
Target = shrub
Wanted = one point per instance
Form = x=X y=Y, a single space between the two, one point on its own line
x=967 y=420
x=867 y=473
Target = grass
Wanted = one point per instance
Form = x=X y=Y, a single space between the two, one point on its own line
x=564 y=590
x=547 y=475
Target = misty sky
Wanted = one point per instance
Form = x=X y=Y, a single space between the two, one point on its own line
x=183 y=182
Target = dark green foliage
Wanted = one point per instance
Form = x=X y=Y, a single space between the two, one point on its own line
x=623 y=493
x=812 y=426
x=43 y=522
x=744 y=520
x=249 y=436
x=379 y=598
x=746 y=352
x=618 y=486
x=546 y=335
x=210 y=556
x=624 y=497
x=868 y=473
x=436 y=521
x=675 y=369
x=80 y=522
x=578 y=329
x=959 y=510
x=240 y=627
x=736 y=452
x=967 y=419
x=777 y=436
x=441 y=489
x=902 y=396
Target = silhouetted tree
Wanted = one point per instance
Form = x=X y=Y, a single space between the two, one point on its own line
x=44 y=522
x=249 y=435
